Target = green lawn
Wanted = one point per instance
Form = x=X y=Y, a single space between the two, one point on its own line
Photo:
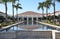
x=52 y=23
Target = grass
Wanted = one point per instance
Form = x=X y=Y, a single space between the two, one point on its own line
x=58 y=24
x=4 y=24
x=51 y=22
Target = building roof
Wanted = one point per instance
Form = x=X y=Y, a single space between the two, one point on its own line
x=35 y=14
x=29 y=13
x=56 y=13
x=2 y=12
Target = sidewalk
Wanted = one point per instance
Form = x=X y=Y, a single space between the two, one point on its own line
x=10 y=25
x=54 y=26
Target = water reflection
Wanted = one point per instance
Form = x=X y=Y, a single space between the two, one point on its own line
x=30 y=26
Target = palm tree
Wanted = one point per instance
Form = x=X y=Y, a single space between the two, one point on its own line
x=17 y=7
x=54 y=8
x=47 y=4
x=5 y=2
x=41 y=5
x=13 y=2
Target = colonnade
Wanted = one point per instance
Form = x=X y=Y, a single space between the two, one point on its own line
x=27 y=19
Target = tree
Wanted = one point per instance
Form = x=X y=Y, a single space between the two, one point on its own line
x=5 y=2
x=54 y=8
x=47 y=4
x=2 y=19
x=53 y=3
x=41 y=5
x=13 y=2
x=17 y=6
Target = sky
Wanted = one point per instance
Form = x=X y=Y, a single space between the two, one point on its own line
x=28 y=5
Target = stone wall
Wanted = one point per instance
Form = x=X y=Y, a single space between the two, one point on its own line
x=26 y=35
x=7 y=35
x=57 y=35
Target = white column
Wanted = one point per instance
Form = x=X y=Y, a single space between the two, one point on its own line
x=18 y=18
x=22 y=18
x=27 y=20
x=53 y=34
x=37 y=19
x=32 y=20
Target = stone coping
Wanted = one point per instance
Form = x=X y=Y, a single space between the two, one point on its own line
x=34 y=30
x=10 y=26
x=55 y=26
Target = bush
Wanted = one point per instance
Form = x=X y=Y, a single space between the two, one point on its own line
x=4 y=24
x=2 y=19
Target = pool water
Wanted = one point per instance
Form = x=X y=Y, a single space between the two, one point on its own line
x=30 y=26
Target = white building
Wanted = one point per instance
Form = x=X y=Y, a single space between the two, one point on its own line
x=56 y=13
x=30 y=16
x=2 y=14
x=34 y=16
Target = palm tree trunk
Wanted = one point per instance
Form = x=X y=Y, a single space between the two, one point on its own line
x=46 y=13
x=42 y=13
x=54 y=12
x=17 y=14
x=6 y=10
x=13 y=11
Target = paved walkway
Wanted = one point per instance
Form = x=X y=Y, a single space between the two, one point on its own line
x=54 y=26
x=10 y=25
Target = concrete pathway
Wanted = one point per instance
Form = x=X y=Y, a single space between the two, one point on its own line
x=11 y=25
x=54 y=26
